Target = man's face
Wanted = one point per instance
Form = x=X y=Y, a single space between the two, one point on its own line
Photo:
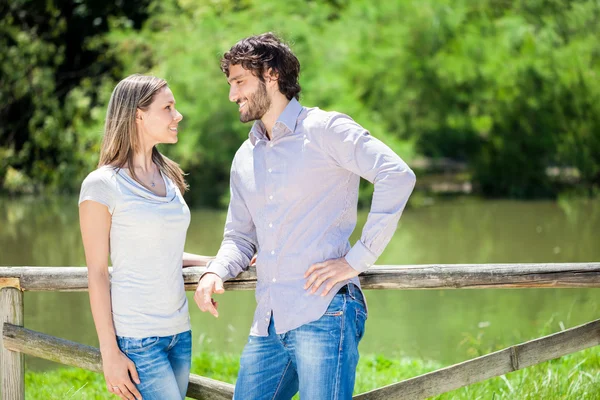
x=249 y=93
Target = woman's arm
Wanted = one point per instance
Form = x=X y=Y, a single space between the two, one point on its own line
x=195 y=260
x=95 y=222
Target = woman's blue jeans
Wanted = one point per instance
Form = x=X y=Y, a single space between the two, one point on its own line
x=162 y=363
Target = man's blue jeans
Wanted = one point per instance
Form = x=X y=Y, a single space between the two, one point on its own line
x=318 y=358
x=162 y=363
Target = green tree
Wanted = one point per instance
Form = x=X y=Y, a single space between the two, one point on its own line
x=509 y=87
x=53 y=60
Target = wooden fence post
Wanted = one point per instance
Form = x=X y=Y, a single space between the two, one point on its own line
x=13 y=366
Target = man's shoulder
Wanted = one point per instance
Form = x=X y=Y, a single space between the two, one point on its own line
x=244 y=151
x=246 y=146
x=316 y=118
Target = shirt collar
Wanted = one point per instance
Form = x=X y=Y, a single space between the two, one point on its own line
x=287 y=118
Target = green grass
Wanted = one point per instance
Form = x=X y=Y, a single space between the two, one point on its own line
x=576 y=377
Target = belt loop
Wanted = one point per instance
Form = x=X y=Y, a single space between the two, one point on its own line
x=173 y=342
x=352 y=290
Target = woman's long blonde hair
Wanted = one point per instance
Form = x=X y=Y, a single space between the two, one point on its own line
x=121 y=139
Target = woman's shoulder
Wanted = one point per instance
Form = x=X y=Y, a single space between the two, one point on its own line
x=100 y=186
x=103 y=175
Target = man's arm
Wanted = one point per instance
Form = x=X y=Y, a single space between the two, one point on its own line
x=354 y=149
x=239 y=239
x=237 y=249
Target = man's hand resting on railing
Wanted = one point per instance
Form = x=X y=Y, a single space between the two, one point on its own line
x=208 y=285
x=118 y=372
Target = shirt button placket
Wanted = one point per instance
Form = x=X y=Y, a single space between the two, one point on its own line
x=269 y=185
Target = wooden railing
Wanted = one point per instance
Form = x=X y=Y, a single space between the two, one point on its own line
x=17 y=340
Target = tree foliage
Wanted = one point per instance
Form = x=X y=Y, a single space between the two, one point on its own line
x=54 y=59
x=510 y=87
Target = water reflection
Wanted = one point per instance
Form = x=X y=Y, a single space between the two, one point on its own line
x=446 y=325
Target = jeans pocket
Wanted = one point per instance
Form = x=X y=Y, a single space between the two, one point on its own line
x=136 y=345
x=336 y=307
x=356 y=295
x=361 y=319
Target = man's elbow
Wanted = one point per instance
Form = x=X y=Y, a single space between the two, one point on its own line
x=411 y=177
x=405 y=177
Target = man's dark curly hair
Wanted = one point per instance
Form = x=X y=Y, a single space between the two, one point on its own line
x=261 y=52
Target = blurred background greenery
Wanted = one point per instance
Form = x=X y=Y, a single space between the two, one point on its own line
x=496 y=97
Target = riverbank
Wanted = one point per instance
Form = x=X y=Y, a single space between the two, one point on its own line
x=576 y=376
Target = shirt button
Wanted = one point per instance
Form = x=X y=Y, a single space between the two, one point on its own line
x=274 y=280
x=270 y=144
x=271 y=197
x=272 y=252
x=270 y=170
x=267 y=319
x=270 y=225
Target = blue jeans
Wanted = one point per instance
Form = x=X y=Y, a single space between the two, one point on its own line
x=318 y=359
x=162 y=363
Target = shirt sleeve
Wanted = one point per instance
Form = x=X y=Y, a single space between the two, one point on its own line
x=354 y=149
x=239 y=240
x=99 y=186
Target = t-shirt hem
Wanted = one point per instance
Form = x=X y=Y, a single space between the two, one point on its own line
x=161 y=332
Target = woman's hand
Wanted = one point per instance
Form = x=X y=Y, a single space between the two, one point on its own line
x=118 y=372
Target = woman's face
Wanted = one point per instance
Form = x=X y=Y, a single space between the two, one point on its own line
x=158 y=124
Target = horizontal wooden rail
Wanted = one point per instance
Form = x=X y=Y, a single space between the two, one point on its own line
x=495 y=364
x=437 y=276
x=19 y=339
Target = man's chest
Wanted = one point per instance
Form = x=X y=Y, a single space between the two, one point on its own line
x=284 y=172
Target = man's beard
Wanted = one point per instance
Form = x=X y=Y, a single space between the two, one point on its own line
x=257 y=105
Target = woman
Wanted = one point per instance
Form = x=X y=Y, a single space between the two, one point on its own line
x=132 y=207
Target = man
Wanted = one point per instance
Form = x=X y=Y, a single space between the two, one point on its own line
x=294 y=193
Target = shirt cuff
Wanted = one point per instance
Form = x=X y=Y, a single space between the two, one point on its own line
x=216 y=267
x=360 y=258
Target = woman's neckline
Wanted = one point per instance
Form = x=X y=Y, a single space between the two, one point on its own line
x=144 y=187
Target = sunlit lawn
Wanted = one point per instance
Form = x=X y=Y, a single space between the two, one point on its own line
x=576 y=376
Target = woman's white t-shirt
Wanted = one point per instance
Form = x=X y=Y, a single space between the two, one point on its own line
x=147 y=238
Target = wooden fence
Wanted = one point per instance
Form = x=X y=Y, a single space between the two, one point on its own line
x=17 y=340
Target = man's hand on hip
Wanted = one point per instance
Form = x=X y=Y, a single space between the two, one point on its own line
x=209 y=283
x=330 y=273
